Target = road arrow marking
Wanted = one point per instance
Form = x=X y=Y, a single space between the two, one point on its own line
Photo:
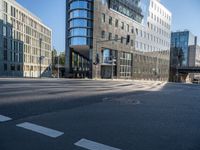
x=90 y=145
x=39 y=129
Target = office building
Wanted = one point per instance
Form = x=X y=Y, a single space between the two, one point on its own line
x=97 y=34
x=185 y=52
x=25 y=42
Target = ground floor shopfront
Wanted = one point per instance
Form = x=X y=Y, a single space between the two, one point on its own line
x=121 y=65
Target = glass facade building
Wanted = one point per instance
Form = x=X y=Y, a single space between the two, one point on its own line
x=79 y=33
x=96 y=33
x=184 y=52
x=182 y=41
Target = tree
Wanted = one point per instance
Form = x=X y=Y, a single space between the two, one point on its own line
x=62 y=59
x=54 y=54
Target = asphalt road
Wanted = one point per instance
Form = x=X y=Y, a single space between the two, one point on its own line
x=98 y=115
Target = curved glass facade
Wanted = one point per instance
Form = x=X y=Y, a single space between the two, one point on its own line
x=80 y=22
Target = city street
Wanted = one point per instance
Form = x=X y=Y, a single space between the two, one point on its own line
x=63 y=114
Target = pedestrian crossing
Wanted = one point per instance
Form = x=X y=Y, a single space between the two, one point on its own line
x=52 y=133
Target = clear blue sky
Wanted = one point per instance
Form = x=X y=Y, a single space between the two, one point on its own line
x=52 y=12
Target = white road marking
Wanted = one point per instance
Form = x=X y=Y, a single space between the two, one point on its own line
x=90 y=145
x=39 y=129
x=4 y=118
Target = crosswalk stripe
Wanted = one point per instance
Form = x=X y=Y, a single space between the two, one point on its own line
x=91 y=145
x=4 y=118
x=40 y=129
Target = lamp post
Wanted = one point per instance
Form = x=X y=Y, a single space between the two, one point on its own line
x=40 y=57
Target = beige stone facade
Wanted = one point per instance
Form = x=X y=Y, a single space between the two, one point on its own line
x=21 y=32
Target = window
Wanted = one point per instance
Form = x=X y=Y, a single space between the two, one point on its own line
x=127 y=28
x=18 y=67
x=132 y=30
x=103 y=17
x=110 y=36
x=125 y=65
x=103 y=2
x=122 y=40
x=12 y=11
x=102 y=34
x=80 y=41
x=130 y=8
x=5 y=18
x=80 y=4
x=4 y=31
x=12 y=67
x=148 y=24
x=5 y=67
x=116 y=37
x=5 y=43
x=80 y=23
x=80 y=32
x=152 y=4
x=80 y=14
x=116 y=23
x=136 y=31
x=5 y=56
x=141 y=33
x=122 y=25
x=5 y=7
x=110 y=20
x=131 y=42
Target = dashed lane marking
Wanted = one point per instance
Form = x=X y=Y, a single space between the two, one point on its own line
x=40 y=129
x=4 y=118
x=90 y=145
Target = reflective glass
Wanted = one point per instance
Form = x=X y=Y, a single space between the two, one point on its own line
x=78 y=41
x=78 y=32
x=80 y=23
x=80 y=14
x=80 y=4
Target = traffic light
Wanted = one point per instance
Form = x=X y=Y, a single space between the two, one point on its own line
x=128 y=39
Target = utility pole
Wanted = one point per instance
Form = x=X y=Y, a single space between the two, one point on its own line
x=40 y=57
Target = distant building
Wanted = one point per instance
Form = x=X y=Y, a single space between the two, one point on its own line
x=20 y=34
x=89 y=23
x=184 y=52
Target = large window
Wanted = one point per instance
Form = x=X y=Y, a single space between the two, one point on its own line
x=130 y=8
x=80 y=4
x=80 y=23
x=126 y=65
x=108 y=55
x=80 y=41
x=80 y=32
x=80 y=14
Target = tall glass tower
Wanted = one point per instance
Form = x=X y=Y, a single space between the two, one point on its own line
x=79 y=31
